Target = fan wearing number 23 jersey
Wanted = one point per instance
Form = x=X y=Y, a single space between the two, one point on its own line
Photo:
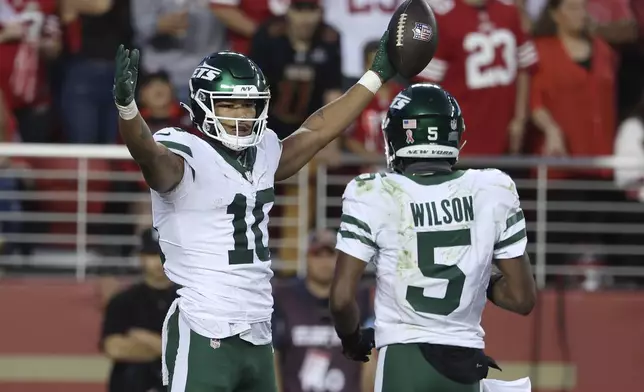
x=432 y=233
x=482 y=51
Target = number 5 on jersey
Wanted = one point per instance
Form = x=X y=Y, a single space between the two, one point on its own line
x=427 y=243
x=241 y=254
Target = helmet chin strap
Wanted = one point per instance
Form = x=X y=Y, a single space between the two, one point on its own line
x=188 y=109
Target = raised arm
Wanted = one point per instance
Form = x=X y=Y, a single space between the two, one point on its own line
x=162 y=169
x=330 y=121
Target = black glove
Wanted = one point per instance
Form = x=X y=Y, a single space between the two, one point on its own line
x=126 y=75
x=358 y=345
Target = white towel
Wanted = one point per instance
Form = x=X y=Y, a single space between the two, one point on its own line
x=520 y=385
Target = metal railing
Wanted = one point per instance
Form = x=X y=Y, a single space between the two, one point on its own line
x=76 y=248
x=80 y=249
x=620 y=254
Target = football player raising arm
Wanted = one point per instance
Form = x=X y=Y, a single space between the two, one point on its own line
x=163 y=170
x=211 y=199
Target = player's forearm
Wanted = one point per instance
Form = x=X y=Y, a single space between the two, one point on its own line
x=161 y=168
x=235 y=20
x=516 y=301
x=523 y=96
x=346 y=316
x=320 y=129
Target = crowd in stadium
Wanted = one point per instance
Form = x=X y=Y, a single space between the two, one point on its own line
x=539 y=77
x=552 y=78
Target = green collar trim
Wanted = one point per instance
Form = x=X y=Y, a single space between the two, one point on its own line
x=436 y=178
x=243 y=162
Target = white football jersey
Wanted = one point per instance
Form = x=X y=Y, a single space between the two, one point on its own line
x=432 y=239
x=213 y=231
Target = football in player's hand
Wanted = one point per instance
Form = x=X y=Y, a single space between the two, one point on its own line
x=413 y=37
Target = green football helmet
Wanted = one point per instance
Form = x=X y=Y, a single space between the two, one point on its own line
x=423 y=122
x=228 y=76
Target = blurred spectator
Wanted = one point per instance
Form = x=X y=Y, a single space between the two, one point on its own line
x=573 y=93
x=300 y=56
x=243 y=17
x=8 y=182
x=89 y=115
x=484 y=59
x=29 y=36
x=158 y=105
x=175 y=35
x=308 y=353
x=131 y=335
x=612 y=20
x=616 y=22
x=365 y=139
x=630 y=144
x=359 y=22
x=573 y=105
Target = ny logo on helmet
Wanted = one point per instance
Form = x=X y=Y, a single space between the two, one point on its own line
x=206 y=72
x=245 y=89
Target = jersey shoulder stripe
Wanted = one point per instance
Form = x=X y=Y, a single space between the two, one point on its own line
x=347 y=234
x=350 y=220
x=512 y=237
x=177 y=141
x=358 y=225
x=516 y=220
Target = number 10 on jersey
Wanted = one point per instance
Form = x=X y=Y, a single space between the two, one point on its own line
x=241 y=254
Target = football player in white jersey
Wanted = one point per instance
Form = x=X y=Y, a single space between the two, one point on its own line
x=211 y=197
x=434 y=234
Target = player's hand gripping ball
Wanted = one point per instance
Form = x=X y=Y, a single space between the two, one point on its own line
x=413 y=37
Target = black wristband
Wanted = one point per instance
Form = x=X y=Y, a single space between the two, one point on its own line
x=490 y=287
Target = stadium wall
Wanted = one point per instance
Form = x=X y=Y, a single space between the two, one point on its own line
x=573 y=341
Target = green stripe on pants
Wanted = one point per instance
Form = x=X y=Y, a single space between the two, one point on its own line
x=201 y=364
x=172 y=344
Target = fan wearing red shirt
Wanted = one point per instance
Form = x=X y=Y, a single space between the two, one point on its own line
x=483 y=60
x=243 y=17
x=29 y=33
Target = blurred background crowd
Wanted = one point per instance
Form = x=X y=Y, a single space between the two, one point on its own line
x=551 y=78
x=559 y=80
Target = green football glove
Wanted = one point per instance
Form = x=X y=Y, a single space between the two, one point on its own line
x=381 y=64
x=126 y=75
